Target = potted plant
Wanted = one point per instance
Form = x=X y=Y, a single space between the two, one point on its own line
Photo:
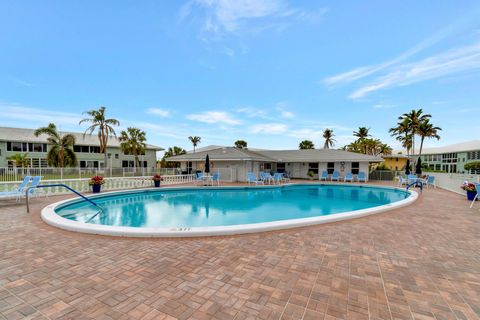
x=96 y=183
x=156 y=180
x=470 y=189
x=310 y=174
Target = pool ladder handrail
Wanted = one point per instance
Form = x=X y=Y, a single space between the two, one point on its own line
x=27 y=192
x=415 y=184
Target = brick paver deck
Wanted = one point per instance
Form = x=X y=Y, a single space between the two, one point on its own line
x=418 y=262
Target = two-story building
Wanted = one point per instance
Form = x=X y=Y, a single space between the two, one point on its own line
x=87 y=149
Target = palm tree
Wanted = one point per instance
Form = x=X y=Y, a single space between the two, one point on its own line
x=361 y=133
x=195 y=141
x=385 y=149
x=413 y=120
x=61 y=153
x=103 y=126
x=20 y=160
x=241 y=144
x=427 y=130
x=328 y=136
x=402 y=132
x=172 y=151
x=306 y=144
x=132 y=142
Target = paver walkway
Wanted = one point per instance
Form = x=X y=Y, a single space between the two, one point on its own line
x=417 y=262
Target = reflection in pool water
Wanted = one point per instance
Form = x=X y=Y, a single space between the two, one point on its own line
x=220 y=207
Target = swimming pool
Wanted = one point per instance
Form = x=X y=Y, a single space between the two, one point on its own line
x=225 y=210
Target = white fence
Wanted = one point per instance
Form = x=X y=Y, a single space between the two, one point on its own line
x=82 y=185
x=453 y=181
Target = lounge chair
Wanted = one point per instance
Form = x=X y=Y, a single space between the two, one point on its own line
x=285 y=177
x=278 y=177
x=251 y=178
x=324 y=176
x=335 y=176
x=216 y=178
x=411 y=178
x=34 y=191
x=402 y=181
x=266 y=177
x=199 y=177
x=348 y=177
x=361 y=177
x=430 y=182
x=18 y=192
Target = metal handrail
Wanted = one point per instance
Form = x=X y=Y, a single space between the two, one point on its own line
x=416 y=184
x=58 y=185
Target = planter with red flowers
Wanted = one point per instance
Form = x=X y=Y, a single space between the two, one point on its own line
x=470 y=189
x=96 y=183
x=156 y=180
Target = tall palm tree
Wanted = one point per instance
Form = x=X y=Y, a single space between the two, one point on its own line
x=306 y=144
x=241 y=144
x=402 y=132
x=427 y=130
x=20 y=160
x=362 y=133
x=61 y=152
x=195 y=141
x=132 y=142
x=413 y=119
x=103 y=126
x=328 y=136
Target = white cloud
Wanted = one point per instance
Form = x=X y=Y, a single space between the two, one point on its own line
x=383 y=106
x=222 y=17
x=219 y=117
x=38 y=116
x=159 y=112
x=269 y=128
x=457 y=60
x=306 y=133
x=283 y=112
x=253 y=112
x=365 y=71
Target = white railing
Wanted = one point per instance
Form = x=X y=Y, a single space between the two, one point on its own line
x=122 y=183
x=16 y=174
x=453 y=181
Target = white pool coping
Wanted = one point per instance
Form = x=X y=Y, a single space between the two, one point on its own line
x=52 y=218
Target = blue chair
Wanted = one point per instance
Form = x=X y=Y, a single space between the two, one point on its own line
x=251 y=178
x=361 y=177
x=430 y=182
x=324 y=176
x=18 y=192
x=411 y=178
x=266 y=177
x=348 y=177
x=335 y=176
x=199 y=177
x=34 y=191
x=216 y=178
x=278 y=177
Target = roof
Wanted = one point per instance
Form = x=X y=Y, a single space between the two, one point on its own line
x=26 y=135
x=473 y=145
x=398 y=155
x=305 y=155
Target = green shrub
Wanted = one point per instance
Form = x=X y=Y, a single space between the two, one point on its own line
x=475 y=165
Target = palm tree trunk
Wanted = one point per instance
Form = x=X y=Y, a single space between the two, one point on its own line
x=421 y=146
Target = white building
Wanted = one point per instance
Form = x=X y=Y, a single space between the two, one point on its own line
x=297 y=163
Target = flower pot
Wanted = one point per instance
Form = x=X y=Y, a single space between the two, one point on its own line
x=156 y=183
x=471 y=195
x=96 y=188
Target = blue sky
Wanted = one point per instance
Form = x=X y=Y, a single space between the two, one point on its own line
x=271 y=72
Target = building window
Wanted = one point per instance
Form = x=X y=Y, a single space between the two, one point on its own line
x=267 y=166
x=109 y=155
x=330 y=167
x=281 y=167
x=116 y=155
x=313 y=166
x=355 y=167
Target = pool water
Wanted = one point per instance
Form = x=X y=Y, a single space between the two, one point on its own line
x=207 y=207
